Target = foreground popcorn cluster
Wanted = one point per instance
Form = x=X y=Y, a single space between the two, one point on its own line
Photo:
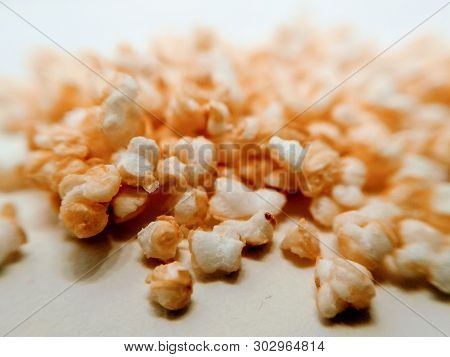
x=229 y=135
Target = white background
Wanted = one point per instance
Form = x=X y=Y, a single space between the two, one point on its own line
x=272 y=295
x=102 y=24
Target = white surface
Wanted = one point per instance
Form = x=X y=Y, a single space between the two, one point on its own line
x=272 y=295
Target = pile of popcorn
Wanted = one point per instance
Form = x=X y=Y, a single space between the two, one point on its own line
x=229 y=135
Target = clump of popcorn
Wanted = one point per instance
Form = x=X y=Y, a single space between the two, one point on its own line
x=222 y=133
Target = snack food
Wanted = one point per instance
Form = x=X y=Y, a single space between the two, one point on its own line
x=224 y=133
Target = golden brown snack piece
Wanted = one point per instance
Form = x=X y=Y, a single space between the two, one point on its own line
x=85 y=199
x=160 y=238
x=303 y=240
x=171 y=286
x=12 y=236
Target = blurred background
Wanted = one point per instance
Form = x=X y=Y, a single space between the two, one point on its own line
x=103 y=24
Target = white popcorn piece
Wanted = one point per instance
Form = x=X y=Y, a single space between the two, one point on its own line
x=324 y=209
x=160 y=238
x=200 y=157
x=383 y=211
x=412 y=261
x=122 y=117
x=425 y=254
x=192 y=207
x=288 y=153
x=362 y=239
x=172 y=172
x=326 y=131
x=420 y=167
x=341 y=284
x=353 y=171
x=12 y=235
x=138 y=163
x=415 y=231
x=171 y=286
x=320 y=168
x=248 y=129
x=213 y=252
x=440 y=199
x=257 y=230
x=348 y=195
x=99 y=184
x=128 y=203
x=233 y=200
x=439 y=275
x=303 y=240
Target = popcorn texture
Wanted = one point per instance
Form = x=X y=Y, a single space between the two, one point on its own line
x=342 y=283
x=222 y=132
x=171 y=286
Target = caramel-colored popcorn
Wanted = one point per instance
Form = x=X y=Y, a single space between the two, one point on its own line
x=171 y=286
x=320 y=168
x=303 y=240
x=160 y=238
x=85 y=199
x=83 y=218
x=12 y=236
x=224 y=139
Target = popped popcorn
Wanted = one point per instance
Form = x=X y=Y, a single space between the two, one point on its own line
x=138 y=163
x=342 y=283
x=303 y=240
x=216 y=252
x=85 y=199
x=12 y=236
x=171 y=286
x=219 y=137
x=424 y=253
x=238 y=202
x=160 y=238
x=363 y=239
x=128 y=203
x=324 y=209
x=257 y=230
x=192 y=207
